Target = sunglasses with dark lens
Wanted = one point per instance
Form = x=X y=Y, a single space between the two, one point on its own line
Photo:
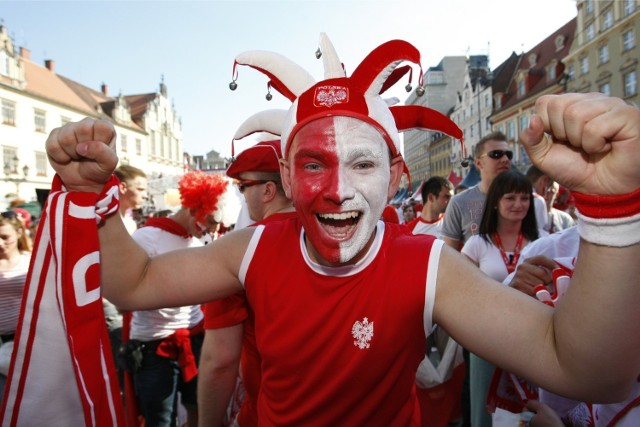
x=497 y=154
x=246 y=183
x=9 y=215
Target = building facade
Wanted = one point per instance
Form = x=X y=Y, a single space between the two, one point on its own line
x=442 y=84
x=604 y=54
x=472 y=110
x=540 y=71
x=35 y=100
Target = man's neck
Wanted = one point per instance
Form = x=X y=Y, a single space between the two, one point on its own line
x=484 y=186
x=429 y=215
x=277 y=208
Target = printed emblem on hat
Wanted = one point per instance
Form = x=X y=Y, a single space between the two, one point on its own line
x=330 y=95
x=363 y=333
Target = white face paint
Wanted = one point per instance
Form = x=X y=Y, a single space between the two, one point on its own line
x=339 y=180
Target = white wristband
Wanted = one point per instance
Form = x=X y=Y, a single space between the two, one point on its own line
x=617 y=232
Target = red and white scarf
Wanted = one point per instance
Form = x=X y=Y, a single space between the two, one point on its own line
x=62 y=371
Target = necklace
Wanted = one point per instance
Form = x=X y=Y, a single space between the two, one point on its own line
x=511 y=261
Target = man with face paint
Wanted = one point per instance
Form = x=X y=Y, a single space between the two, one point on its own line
x=169 y=339
x=339 y=335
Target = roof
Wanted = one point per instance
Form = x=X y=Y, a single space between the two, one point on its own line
x=543 y=54
x=139 y=104
x=47 y=84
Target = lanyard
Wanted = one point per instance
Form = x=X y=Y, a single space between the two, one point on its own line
x=510 y=264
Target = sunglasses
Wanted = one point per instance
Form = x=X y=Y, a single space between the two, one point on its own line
x=497 y=154
x=243 y=184
x=9 y=215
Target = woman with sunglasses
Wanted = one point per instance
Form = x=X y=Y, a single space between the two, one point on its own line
x=508 y=224
x=15 y=255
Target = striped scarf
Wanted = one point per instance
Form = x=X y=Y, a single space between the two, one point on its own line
x=62 y=371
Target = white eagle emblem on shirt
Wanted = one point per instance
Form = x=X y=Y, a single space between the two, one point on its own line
x=362 y=332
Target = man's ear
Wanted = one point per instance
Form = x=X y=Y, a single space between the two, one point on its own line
x=269 y=192
x=122 y=187
x=285 y=170
x=396 y=169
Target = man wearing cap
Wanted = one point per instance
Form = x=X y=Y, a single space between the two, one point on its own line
x=229 y=323
x=169 y=339
x=339 y=335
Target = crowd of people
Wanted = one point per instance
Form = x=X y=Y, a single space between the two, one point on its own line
x=333 y=308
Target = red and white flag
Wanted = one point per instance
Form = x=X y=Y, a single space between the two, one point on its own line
x=62 y=371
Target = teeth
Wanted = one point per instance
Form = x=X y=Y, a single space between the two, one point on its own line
x=339 y=215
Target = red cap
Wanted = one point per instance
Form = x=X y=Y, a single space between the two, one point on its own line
x=262 y=157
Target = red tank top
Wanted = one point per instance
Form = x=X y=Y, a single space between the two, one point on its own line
x=339 y=346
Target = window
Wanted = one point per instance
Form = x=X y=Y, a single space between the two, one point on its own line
x=10 y=160
x=605 y=88
x=588 y=6
x=524 y=122
x=472 y=131
x=511 y=130
x=559 y=42
x=603 y=54
x=41 y=163
x=487 y=101
x=629 y=7
x=8 y=112
x=551 y=73
x=571 y=72
x=40 y=120
x=153 y=142
x=630 y=84
x=138 y=146
x=522 y=87
x=607 y=20
x=591 y=32
x=584 y=65
x=123 y=143
x=628 y=40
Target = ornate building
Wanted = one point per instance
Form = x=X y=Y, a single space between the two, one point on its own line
x=539 y=71
x=35 y=100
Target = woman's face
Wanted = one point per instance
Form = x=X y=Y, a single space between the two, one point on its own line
x=514 y=206
x=8 y=239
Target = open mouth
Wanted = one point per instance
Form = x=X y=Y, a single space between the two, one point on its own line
x=339 y=224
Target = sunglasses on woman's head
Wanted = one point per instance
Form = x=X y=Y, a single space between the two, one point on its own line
x=497 y=154
x=9 y=215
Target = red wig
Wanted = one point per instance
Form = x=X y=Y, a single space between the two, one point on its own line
x=200 y=193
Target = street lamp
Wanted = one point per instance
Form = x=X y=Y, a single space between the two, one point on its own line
x=11 y=172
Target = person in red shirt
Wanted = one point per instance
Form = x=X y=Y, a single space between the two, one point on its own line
x=229 y=323
x=343 y=301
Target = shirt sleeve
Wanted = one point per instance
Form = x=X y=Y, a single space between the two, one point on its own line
x=452 y=225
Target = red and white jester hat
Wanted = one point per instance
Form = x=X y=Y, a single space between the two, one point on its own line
x=357 y=96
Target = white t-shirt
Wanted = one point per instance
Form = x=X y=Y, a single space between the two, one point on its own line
x=487 y=256
x=149 y=325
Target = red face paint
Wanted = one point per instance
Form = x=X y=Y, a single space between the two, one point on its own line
x=339 y=179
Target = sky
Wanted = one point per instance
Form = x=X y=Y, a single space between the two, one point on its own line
x=132 y=45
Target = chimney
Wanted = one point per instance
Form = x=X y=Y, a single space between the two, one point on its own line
x=105 y=89
x=50 y=64
x=25 y=53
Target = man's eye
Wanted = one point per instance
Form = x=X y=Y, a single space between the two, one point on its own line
x=364 y=165
x=312 y=166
